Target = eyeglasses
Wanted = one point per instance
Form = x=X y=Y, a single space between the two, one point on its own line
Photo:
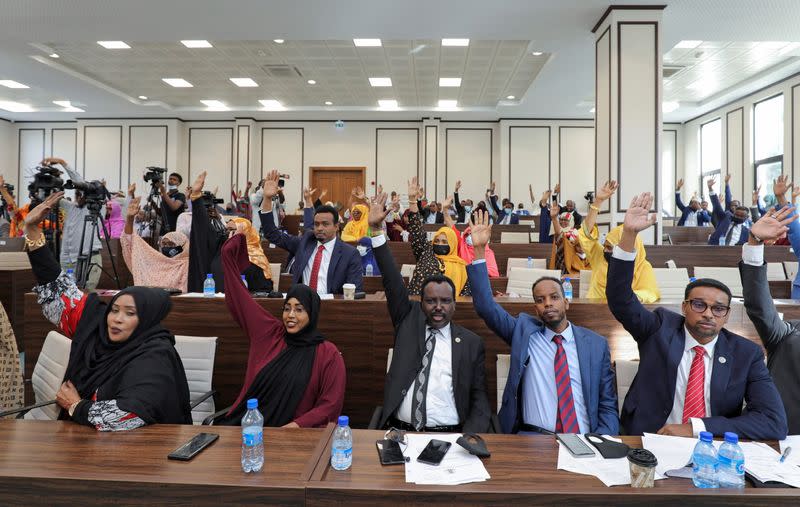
x=700 y=306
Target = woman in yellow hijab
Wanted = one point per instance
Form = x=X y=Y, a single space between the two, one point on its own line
x=254 y=250
x=358 y=226
x=644 y=279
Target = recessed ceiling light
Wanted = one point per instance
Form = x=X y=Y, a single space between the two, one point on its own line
x=12 y=84
x=272 y=105
x=688 y=44
x=113 y=44
x=669 y=106
x=387 y=104
x=455 y=42
x=215 y=105
x=278 y=41
x=177 y=82
x=196 y=44
x=15 y=107
x=142 y=97
x=244 y=82
x=537 y=53
x=367 y=43
x=510 y=97
x=380 y=81
x=68 y=107
x=448 y=104
x=53 y=55
x=311 y=81
x=453 y=82
x=328 y=103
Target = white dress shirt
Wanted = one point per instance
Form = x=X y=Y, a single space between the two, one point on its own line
x=440 y=402
x=682 y=380
x=753 y=255
x=735 y=235
x=322 y=276
x=691 y=219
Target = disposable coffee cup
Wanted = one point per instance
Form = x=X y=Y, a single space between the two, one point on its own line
x=349 y=290
x=642 y=464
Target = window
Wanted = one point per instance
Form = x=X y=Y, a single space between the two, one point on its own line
x=768 y=143
x=711 y=156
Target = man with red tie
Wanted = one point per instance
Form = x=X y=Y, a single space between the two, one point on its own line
x=321 y=259
x=694 y=375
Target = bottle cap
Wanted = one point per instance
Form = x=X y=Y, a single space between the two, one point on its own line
x=344 y=420
x=242 y=277
x=209 y=275
x=69 y=270
x=566 y=279
x=252 y=403
x=731 y=437
x=706 y=436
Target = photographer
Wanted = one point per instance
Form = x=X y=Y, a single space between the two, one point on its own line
x=172 y=201
x=6 y=197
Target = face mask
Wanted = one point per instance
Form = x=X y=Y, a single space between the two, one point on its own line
x=171 y=251
x=468 y=208
x=737 y=220
x=441 y=249
x=469 y=240
x=172 y=187
x=362 y=250
x=607 y=255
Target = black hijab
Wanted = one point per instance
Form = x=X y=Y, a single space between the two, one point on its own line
x=144 y=374
x=280 y=385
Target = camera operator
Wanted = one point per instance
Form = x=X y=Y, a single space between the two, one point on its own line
x=10 y=212
x=278 y=201
x=172 y=201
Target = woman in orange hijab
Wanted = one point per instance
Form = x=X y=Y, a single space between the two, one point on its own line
x=358 y=226
x=567 y=254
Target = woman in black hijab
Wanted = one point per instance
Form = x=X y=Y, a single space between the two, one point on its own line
x=297 y=376
x=123 y=370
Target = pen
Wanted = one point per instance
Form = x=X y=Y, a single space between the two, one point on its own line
x=786 y=454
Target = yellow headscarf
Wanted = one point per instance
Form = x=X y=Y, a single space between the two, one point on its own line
x=644 y=280
x=454 y=266
x=254 y=250
x=356 y=229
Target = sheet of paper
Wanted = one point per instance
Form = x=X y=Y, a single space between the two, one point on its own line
x=672 y=452
x=792 y=441
x=200 y=295
x=611 y=472
x=457 y=467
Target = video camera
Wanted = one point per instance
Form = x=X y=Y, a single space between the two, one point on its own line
x=589 y=196
x=209 y=199
x=154 y=175
x=93 y=191
x=46 y=181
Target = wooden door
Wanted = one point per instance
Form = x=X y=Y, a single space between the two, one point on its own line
x=339 y=181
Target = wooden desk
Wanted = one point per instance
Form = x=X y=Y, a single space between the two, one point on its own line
x=497 y=230
x=523 y=472
x=59 y=462
x=14 y=283
x=682 y=235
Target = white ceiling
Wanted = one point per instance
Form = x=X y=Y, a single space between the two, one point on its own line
x=560 y=88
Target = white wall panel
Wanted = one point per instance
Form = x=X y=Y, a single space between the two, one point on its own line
x=8 y=154
x=669 y=168
x=603 y=170
x=64 y=144
x=469 y=159
x=211 y=150
x=102 y=154
x=794 y=130
x=396 y=158
x=529 y=163
x=243 y=158
x=576 y=164
x=282 y=149
x=148 y=147
x=31 y=152
x=430 y=171
x=734 y=149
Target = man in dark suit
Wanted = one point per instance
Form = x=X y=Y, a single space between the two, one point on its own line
x=731 y=228
x=694 y=375
x=692 y=215
x=780 y=338
x=437 y=379
x=560 y=378
x=321 y=260
x=506 y=215
x=430 y=213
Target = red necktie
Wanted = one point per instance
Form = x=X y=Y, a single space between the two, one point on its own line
x=694 y=404
x=566 y=418
x=312 y=282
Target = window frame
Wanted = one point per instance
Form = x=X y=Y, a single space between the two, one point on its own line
x=774 y=158
x=705 y=174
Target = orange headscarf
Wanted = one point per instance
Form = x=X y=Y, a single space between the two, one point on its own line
x=356 y=229
x=454 y=266
x=254 y=250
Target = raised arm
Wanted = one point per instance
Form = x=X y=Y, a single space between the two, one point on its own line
x=460 y=211
x=446 y=204
x=603 y=194
x=728 y=196
x=10 y=204
x=268 y=225
x=716 y=207
x=678 y=201
x=420 y=245
x=554 y=220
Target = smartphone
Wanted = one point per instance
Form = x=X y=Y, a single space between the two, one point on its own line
x=575 y=445
x=434 y=452
x=193 y=447
x=389 y=452
x=281 y=183
x=360 y=295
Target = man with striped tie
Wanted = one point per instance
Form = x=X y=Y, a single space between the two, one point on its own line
x=694 y=375
x=560 y=377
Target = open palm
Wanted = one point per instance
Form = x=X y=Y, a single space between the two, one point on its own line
x=638 y=217
x=377 y=211
x=481 y=229
x=774 y=225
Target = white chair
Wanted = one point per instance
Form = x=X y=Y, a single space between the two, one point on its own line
x=671 y=264
x=515 y=237
x=14 y=260
x=522 y=262
x=197 y=355
x=791 y=269
x=775 y=271
x=407 y=270
x=671 y=283
x=728 y=276
x=275 y=272
x=503 y=365
x=520 y=280
x=625 y=372
x=586 y=282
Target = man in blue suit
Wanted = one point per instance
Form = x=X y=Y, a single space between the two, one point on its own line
x=693 y=214
x=321 y=260
x=694 y=375
x=731 y=228
x=560 y=379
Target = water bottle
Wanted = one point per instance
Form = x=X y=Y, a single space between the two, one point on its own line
x=244 y=282
x=368 y=270
x=704 y=462
x=342 y=447
x=567 y=286
x=530 y=262
x=721 y=240
x=209 y=287
x=71 y=274
x=252 y=438
x=730 y=471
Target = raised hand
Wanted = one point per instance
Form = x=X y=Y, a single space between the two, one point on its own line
x=308 y=196
x=54 y=160
x=133 y=207
x=494 y=186
x=756 y=193
x=379 y=191
x=679 y=185
x=727 y=178
x=605 y=192
x=414 y=190
x=323 y=193
x=710 y=182
x=199 y=183
x=481 y=229
x=458 y=185
x=638 y=217
x=545 y=196
x=557 y=189
x=2 y=181
x=377 y=211
x=554 y=208
x=448 y=201
x=37 y=214
x=795 y=193
x=132 y=189
x=271 y=184
x=781 y=185
x=773 y=225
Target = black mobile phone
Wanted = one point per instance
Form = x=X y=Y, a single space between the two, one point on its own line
x=193 y=447
x=389 y=452
x=575 y=445
x=434 y=452
x=360 y=295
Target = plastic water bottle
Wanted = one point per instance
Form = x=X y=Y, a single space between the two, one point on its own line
x=731 y=463
x=209 y=287
x=368 y=270
x=71 y=274
x=721 y=240
x=252 y=438
x=704 y=462
x=244 y=282
x=567 y=286
x=342 y=447
x=530 y=262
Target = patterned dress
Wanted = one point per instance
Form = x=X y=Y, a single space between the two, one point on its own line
x=11 y=385
x=427 y=262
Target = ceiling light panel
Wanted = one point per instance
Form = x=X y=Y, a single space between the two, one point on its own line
x=380 y=81
x=113 y=44
x=215 y=105
x=244 y=82
x=455 y=42
x=15 y=107
x=367 y=43
x=688 y=44
x=449 y=82
x=196 y=44
x=272 y=105
x=387 y=104
x=8 y=83
x=177 y=82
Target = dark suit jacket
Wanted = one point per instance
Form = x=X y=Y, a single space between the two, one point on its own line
x=724 y=220
x=469 y=356
x=702 y=215
x=501 y=213
x=426 y=212
x=345 y=266
x=780 y=338
x=738 y=374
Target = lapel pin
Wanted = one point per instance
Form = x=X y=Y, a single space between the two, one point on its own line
x=722 y=360
x=458 y=340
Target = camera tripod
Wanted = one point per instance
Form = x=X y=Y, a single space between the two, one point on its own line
x=84 y=264
x=156 y=219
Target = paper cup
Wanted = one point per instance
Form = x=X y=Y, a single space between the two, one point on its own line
x=349 y=290
x=642 y=467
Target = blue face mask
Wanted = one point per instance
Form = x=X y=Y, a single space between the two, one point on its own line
x=468 y=241
x=468 y=208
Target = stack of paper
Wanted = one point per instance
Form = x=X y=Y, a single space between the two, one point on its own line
x=611 y=472
x=457 y=467
x=792 y=441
